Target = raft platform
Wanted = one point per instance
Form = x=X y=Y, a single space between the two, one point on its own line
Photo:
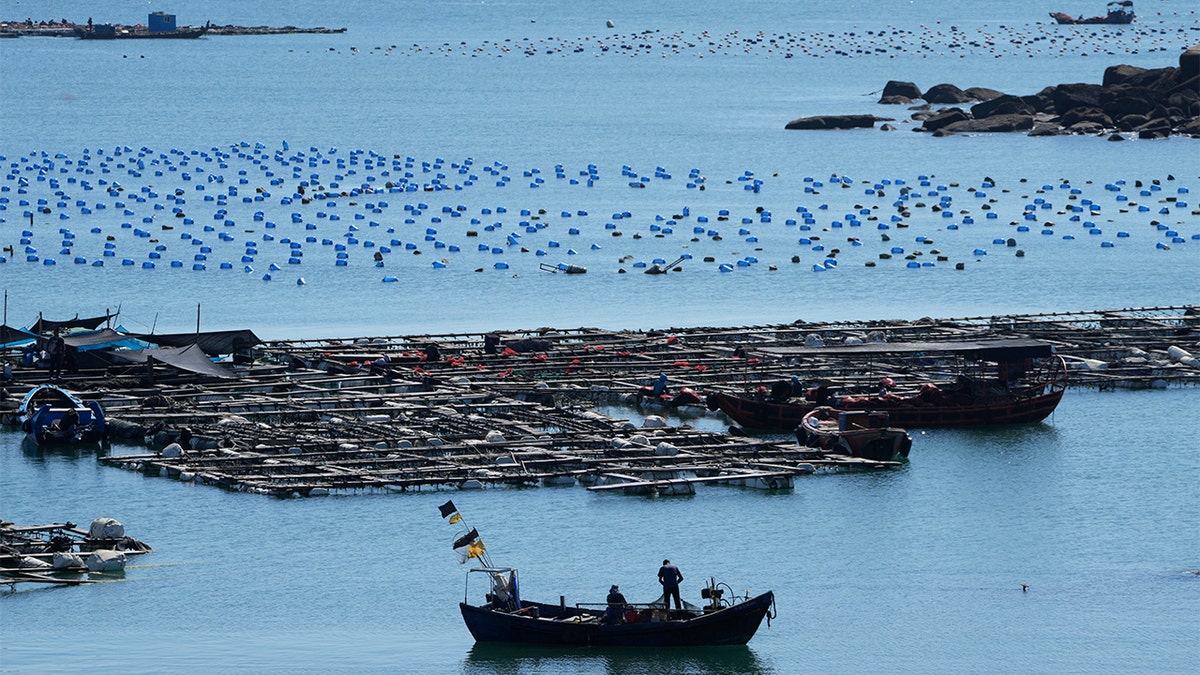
x=518 y=408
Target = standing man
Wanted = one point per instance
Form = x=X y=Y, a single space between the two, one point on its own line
x=55 y=349
x=670 y=576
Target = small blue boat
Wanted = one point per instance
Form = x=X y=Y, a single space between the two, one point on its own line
x=51 y=415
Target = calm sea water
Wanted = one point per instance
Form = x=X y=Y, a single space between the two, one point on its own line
x=915 y=570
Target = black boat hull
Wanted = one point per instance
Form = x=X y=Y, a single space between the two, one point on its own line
x=549 y=625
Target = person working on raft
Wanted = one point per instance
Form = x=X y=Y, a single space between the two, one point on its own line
x=616 y=606
x=670 y=576
x=55 y=347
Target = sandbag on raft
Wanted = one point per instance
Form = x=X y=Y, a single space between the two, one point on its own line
x=63 y=561
x=106 y=561
x=106 y=528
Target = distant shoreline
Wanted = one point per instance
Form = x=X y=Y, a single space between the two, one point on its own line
x=67 y=29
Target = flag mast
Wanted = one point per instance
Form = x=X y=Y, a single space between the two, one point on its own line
x=470 y=539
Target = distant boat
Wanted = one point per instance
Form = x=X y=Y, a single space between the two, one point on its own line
x=108 y=31
x=1119 y=12
x=52 y=415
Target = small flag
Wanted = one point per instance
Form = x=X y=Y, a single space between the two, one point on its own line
x=475 y=549
x=466 y=539
x=447 y=508
x=455 y=519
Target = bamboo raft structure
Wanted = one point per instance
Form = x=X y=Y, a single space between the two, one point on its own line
x=45 y=545
x=517 y=408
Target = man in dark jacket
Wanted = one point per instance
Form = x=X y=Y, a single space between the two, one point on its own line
x=616 y=606
x=670 y=576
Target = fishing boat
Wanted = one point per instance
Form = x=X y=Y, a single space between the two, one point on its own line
x=858 y=433
x=108 y=31
x=1118 y=12
x=52 y=415
x=505 y=617
x=998 y=382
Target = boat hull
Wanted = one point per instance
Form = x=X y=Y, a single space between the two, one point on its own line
x=44 y=408
x=544 y=624
x=1118 y=19
x=85 y=33
x=785 y=417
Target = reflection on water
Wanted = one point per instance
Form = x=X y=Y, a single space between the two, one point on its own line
x=32 y=450
x=503 y=659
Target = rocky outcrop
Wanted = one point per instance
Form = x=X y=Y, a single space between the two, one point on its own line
x=1153 y=103
x=835 y=122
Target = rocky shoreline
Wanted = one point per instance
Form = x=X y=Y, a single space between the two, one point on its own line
x=1146 y=103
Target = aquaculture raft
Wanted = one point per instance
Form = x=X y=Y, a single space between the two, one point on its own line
x=517 y=408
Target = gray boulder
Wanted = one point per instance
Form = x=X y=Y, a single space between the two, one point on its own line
x=1046 y=129
x=1120 y=74
x=1002 y=105
x=1191 y=128
x=995 y=123
x=834 y=122
x=947 y=93
x=982 y=93
x=897 y=88
x=1075 y=116
x=944 y=118
x=1078 y=95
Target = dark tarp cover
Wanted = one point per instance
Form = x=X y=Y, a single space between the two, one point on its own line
x=214 y=343
x=12 y=337
x=101 y=339
x=46 y=325
x=189 y=358
x=987 y=349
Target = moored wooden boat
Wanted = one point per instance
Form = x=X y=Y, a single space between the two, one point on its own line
x=1012 y=391
x=858 y=433
x=53 y=415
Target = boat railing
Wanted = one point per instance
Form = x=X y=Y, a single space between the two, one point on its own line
x=624 y=605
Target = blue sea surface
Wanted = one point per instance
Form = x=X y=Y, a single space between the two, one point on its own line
x=914 y=570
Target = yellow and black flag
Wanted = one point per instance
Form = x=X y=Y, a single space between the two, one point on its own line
x=447 y=508
x=475 y=549
x=467 y=539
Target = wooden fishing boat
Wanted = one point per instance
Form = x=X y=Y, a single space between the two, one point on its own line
x=858 y=433
x=503 y=617
x=1004 y=386
x=1119 y=12
x=52 y=415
